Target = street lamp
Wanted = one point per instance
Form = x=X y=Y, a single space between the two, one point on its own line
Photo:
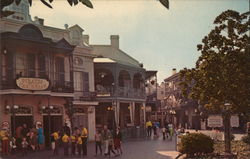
x=12 y=109
x=227 y=127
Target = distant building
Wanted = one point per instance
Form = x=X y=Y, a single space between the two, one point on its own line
x=180 y=110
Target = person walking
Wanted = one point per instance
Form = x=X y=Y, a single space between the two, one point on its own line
x=79 y=144
x=149 y=128
x=19 y=137
x=106 y=135
x=5 y=141
x=110 y=147
x=40 y=137
x=65 y=140
x=73 y=143
x=98 y=142
x=84 y=136
x=117 y=141
x=163 y=132
x=66 y=129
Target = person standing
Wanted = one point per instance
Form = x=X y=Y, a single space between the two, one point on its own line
x=73 y=143
x=24 y=131
x=40 y=136
x=19 y=137
x=98 y=142
x=84 y=136
x=66 y=129
x=106 y=135
x=5 y=141
x=79 y=145
x=54 y=142
x=24 y=146
x=149 y=128
x=65 y=140
x=117 y=141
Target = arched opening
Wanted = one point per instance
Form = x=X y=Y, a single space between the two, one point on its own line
x=104 y=81
x=138 y=81
x=124 y=79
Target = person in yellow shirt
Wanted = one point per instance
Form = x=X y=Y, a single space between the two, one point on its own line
x=73 y=139
x=54 y=142
x=84 y=136
x=149 y=128
x=5 y=141
x=79 y=144
x=65 y=140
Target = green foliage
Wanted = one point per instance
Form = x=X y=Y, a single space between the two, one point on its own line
x=196 y=144
x=246 y=139
x=222 y=73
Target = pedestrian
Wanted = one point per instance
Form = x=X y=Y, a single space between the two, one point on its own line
x=110 y=147
x=33 y=140
x=54 y=142
x=66 y=129
x=84 y=136
x=154 y=129
x=106 y=135
x=13 y=146
x=171 y=130
x=149 y=128
x=163 y=132
x=117 y=141
x=73 y=143
x=25 y=146
x=65 y=140
x=79 y=144
x=98 y=142
x=19 y=137
x=4 y=134
x=40 y=137
x=25 y=131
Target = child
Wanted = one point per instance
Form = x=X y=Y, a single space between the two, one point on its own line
x=54 y=142
x=13 y=146
x=73 y=144
x=98 y=143
x=110 y=147
x=79 y=144
x=24 y=146
x=65 y=140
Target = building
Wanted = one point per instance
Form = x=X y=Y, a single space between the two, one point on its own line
x=119 y=85
x=46 y=75
x=180 y=110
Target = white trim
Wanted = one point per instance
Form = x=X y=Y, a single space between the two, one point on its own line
x=85 y=102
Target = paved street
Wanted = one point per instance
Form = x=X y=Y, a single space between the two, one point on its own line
x=137 y=149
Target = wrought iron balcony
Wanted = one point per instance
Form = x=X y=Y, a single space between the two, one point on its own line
x=88 y=96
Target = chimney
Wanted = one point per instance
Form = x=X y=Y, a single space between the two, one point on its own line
x=114 y=41
x=86 y=39
x=173 y=71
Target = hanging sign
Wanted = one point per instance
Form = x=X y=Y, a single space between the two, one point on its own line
x=34 y=84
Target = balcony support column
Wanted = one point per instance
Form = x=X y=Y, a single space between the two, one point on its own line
x=117 y=113
x=144 y=114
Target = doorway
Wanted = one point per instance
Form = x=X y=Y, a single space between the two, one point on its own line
x=55 y=123
x=19 y=121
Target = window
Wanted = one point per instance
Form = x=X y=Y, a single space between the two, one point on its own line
x=31 y=65
x=41 y=66
x=21 y=64
x=78 y=81
x=60 y=70
x=85 y=82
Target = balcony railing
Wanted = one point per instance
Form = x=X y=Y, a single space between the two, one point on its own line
x=88 y=96
x=124 y=92
x=9 y=76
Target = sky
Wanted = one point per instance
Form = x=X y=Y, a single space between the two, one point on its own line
x=161 y=39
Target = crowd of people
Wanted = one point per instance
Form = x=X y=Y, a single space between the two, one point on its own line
x=156 y=126
x=73 y=142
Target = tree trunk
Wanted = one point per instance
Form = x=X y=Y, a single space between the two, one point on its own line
x=227 y=132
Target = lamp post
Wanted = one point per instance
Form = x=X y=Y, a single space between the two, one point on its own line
x=13 y=109
x=227 y=128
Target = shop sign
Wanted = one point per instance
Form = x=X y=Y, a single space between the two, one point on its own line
x=215 y=121
x=35 y=84
x=234 y=121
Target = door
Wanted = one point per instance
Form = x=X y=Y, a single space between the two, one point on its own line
x=19 y=121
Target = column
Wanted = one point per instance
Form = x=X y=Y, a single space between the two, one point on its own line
x=133 y=113
x=117 y=113
x=144 y=113
x=91 y=123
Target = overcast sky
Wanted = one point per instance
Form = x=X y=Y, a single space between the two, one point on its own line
x=161 y=39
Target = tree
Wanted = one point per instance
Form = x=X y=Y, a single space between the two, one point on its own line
x=87 y=3
x=222 y=72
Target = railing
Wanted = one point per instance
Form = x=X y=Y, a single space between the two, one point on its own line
x=88 y=96
x=62 y=86
x=124 y=92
